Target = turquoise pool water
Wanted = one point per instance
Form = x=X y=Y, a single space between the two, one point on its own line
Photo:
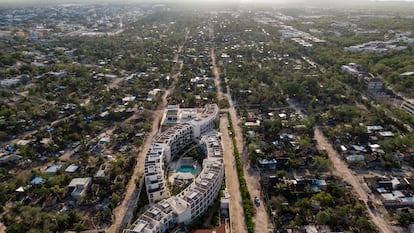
x=186 y=169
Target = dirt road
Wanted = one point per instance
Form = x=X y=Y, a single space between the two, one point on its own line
x=131 y=197
x=237 y=222
x=341 y=169
x=252 y=176
x=260 y=219
x=120 y=211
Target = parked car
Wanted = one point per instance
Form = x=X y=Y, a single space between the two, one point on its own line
x=256 y=201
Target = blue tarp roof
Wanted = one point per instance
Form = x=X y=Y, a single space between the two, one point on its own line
x=37 y=180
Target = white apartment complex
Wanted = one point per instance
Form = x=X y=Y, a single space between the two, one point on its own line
x=194 y=200
x=198 y=196
x=159 y=218
x=154 y=172
x=205 y=122
x=168 y=144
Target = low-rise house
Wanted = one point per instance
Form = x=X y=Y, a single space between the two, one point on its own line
x=408 y=106
x=14 y=81
x=353 y=159
x=351 y=69
x=61 y=74
x=119 y=179
x=386 y=134
x=301 y=185
x=9 y=158
x=388 y=199
x=356 y=149
x=9 y=82
x=71 y=168
x=101 y=173
x=394 y=192
x=372 y=160
x=105 y=140
x=251 y=124
x=285 y=136
x=316 y=229
x=54 y=168
x=396 y=199
x=128 y=99
x=267 y=164
x=282 y=161
x=79 y=186
x=374 y=128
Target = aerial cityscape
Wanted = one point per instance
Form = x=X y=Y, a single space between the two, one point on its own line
x=183 y=116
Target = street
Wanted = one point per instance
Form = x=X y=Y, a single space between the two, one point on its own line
x=341 y=169
x=123 y=212
x=252 y=176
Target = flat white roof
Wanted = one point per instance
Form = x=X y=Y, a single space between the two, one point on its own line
x=408 y=73
x=398 y=193
x=165 y=205
x=205 y=183
x=154 y=186
x=155 y=211
x=53 y=169
x=151 y=169
x=72 y=168
x=389 y=196
x=152 y=177
x=179 y=204
x=374 y=146
x=193 y=194
x=386 y=134
x=210 y=176
x=140 y=226
x=79 y=181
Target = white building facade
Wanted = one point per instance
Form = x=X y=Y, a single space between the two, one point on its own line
x=194 y=200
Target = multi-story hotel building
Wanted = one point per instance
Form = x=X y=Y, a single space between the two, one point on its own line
x=159 y=218
x=199 y=195
x=205 y=122
x=155 y=161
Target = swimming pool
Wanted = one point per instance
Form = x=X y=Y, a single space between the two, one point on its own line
x=186 y=169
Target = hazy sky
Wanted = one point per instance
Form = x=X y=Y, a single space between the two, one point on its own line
x=198 y=1
x=208 y=1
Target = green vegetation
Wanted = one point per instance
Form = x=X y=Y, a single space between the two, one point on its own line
x=69 y=108
x=209 y=219
x=247 y=203
x=90 y=77
x=33 y=219
x=142 y=201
